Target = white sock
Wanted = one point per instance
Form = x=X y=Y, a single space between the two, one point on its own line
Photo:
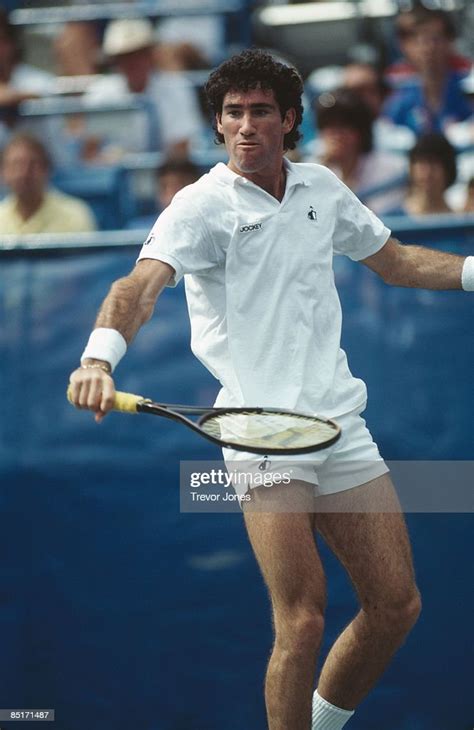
x=327 y=716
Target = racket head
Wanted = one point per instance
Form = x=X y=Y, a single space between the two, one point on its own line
x=269 y=430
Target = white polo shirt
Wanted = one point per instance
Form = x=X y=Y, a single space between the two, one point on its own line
x=265 y=313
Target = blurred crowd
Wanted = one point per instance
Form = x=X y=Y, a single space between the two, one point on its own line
x=125 y=92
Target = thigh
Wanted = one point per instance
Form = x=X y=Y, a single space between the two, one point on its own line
x=285 y=547
x=366 y=530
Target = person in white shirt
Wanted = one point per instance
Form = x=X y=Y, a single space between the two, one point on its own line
x=255 y=240
x=175 y=119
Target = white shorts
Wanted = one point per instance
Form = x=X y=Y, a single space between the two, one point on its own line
x=353 y=460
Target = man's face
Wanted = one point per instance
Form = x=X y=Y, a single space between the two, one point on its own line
x=136 y=66
x=254 y=131
x=428 y=176
x=432 y=46
x=24 y=171
x=362 y=80
x=340 y=142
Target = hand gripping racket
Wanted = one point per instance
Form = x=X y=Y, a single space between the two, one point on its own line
x=258 y=430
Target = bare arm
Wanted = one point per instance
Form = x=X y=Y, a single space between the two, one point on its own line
x=416 y=266
x=128 y=305
x=131 y=300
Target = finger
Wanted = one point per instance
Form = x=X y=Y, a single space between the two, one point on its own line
x=75 y=387
x=73 y=391
x=95 y=393
x=99 y=416
x=108 y=396
x=83 y=394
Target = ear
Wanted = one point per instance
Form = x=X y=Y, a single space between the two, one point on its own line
x=289 y=120
x=219 y=123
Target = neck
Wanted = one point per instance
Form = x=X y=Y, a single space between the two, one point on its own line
x=27 y=207
x=274 y=184
x=433 y=86
x=422 y=201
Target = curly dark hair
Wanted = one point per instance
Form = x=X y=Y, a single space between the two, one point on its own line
x=257 y=69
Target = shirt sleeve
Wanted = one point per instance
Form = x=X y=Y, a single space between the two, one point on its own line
x=358 y=232
x=181 y=238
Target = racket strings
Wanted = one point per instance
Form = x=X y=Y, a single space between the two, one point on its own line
x=266 y=429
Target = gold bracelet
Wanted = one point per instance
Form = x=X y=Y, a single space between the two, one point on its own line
x=105 y=368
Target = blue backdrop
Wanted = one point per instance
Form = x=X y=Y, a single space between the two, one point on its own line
x=120 y=612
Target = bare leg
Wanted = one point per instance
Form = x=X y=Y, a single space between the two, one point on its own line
x=374 y=548
x=285 y=548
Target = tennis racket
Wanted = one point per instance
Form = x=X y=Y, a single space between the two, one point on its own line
x=258 y=430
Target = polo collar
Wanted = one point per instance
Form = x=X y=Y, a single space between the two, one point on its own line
x=293 y=175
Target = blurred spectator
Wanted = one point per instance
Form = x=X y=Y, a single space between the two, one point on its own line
x=175 y=117
x=369 y=84
x=18 y=80
x=432 y=172
x=206 y=33
x=405 y=29
x=179 y=57
x=171 y=177
x=77 y=49
x=31 y=207
x=469 y=204
x=345 y=123
x=433 y=98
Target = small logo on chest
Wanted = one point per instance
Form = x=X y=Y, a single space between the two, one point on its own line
x=312 y=215
x=250 y=227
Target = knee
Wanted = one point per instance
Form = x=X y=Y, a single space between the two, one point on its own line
x=398 y=615
x=299 y=630
x=412 y=609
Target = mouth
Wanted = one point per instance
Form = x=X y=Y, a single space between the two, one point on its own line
x=247 y=144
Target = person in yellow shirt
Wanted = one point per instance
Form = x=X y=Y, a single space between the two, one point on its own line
x=31 y=207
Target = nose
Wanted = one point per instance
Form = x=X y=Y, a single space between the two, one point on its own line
x=247 y=126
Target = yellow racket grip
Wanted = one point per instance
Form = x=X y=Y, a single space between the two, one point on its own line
x=127 y=402
x=124 y=402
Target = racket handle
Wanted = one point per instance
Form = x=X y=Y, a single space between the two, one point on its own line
x=124 y=402
x=127 y=402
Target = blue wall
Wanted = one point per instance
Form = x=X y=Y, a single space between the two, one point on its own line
x=120 y=612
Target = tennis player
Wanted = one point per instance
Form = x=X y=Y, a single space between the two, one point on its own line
x=256 y=239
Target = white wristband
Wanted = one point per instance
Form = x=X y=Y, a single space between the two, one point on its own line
x=105 y=344
x=467 y=278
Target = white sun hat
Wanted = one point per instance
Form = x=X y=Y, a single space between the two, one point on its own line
x=127 y=35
